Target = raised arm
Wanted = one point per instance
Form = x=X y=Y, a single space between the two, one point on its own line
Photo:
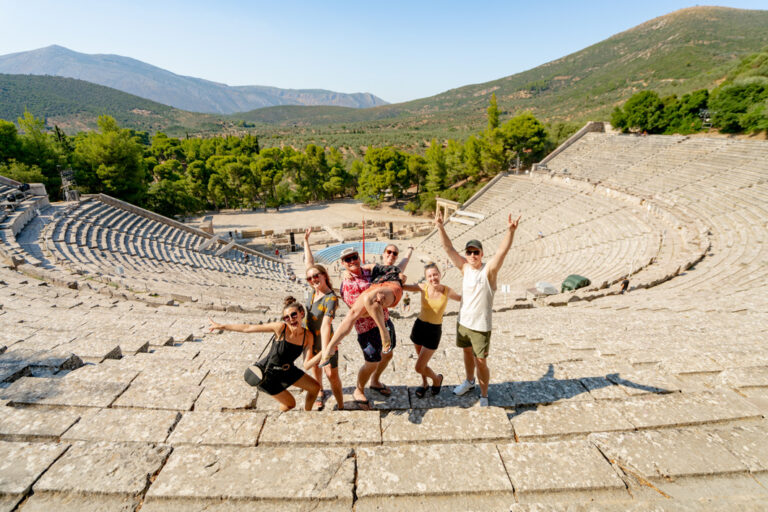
x=404 y=262
x=457 y=259
x=498 y=259
x=273 y=327
x=452 y=294
x=309 y=260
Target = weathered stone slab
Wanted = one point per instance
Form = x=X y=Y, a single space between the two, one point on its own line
x=218 y=429
x=10 y=373
x=93 y=350
x=397 y=400
x=601 y=388
x=755 y=376
x=124 y=425
x=133 y=346
x=103 y=468
x=222 y=393
x=45 y=358
x=392 y=475
x=547 y=391
x=668 y=453
x=158 y=396
x=681 y=409
x=498 y=395
x=22 y=463
x=338 y=429
x=45 y=502
x=560 y=467
x=748 y=442
x=173 y=353
x=34 y=424
x=272 y=474
x=58 y=391
x=97 y=373
x=757 y=397
x=170 y=377
x=569 y=419
x=477 y=424
x=643 y=382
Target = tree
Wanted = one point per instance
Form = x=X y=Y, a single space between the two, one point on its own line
x=10 y=145
x=644 y=111
x=731 y=104
x=384 y=170
x=493 y=113
x=436 y=167
x=525 y=137
x=111 y=161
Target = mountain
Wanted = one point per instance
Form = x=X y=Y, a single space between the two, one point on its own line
x=74 y=105
x=183 y=92
x=677 y=53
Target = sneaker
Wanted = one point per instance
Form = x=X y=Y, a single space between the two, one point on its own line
x=484 y=401
x=462 y=388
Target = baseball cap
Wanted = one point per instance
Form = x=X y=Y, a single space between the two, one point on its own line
x=474 y=243
x=347 y=251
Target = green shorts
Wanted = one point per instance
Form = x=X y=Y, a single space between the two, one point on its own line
x=480 y=341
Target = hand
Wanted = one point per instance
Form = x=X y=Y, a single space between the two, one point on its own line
x=513 y=225
x=215 y=326
x=347 y=275
x=307 y=233
x=439 y=220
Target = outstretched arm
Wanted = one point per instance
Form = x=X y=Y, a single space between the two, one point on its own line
x=309 y=260
x=246 y=328
x=404 y=262
x=498 y=259
x=457 y=259
x=452 y=294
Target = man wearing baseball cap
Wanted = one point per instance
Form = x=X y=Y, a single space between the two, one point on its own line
x=473 y=329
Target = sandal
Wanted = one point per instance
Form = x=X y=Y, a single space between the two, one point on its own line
x=319 y=404
x=365 y=405
x=437 y=387
x=383 y=390
x=420 y=392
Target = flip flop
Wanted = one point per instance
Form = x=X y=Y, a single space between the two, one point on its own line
x=436 y=389
x=363 y=404
x=420 y=392
x=320 y=405
x=383 y=390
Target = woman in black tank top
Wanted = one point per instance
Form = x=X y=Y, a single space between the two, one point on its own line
x=281 y=372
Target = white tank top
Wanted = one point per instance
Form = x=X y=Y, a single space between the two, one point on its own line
x=476 y=299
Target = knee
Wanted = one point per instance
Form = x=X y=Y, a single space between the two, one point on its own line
x=481 y=362
x=420 y=367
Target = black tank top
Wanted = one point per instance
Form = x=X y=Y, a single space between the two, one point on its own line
x=282 y=352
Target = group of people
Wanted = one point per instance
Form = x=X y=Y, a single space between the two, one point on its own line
x=370 y=290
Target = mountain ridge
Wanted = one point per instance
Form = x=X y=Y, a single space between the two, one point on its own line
x=184 y=92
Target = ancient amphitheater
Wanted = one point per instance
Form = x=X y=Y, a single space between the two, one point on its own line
x=114 y=397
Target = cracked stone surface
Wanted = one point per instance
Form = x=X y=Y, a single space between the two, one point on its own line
x=124 y=425
x=446 y=424
x=218 y=428
x=22 y=463
x=159 y=396
x=58 y=391
x=342 y=429
x=34 y=424
x=564 y=419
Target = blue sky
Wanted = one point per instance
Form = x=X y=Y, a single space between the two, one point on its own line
x=397 y=50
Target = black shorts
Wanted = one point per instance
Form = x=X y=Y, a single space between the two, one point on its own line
x=370 y=342
x=278 y=381
x=426 y=334
x=317 y=346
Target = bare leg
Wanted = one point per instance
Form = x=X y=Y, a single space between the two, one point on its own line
x=469 y=363
x=385 y=359
x=483 y=375
x=375 y=303
x=362 y=379
x=318 y=375
x=312 y=388
x=422 y=365
x=335 y=381
x=418 y=357
x=345 y=327
x=287 y=402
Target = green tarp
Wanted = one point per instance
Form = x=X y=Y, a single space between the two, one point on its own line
x=574 y=282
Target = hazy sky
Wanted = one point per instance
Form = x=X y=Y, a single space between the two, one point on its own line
x=397 y=50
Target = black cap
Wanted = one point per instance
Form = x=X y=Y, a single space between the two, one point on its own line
x=474 y=243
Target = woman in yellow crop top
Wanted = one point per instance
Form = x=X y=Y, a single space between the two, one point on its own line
x=428 y=327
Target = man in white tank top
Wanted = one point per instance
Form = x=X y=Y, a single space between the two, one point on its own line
x=473 y=329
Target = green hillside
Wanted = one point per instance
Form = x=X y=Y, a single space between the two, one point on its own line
x=74 y=105
x=686 y=50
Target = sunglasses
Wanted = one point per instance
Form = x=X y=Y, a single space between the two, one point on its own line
x=350 y=258
x=390 y=251
x=292 y=316
x=313 y=277
x=472 y=252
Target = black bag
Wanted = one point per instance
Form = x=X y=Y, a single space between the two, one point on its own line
x=257 y=372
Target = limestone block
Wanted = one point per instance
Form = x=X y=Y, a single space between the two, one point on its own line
x=58 y=391
x=216 y=428
x=757 y=397
x=569 y=419
x=338 y=429
x=50 y=359
x=23 y=463
x=476 y=424
x=226 y=394
x=93 y=351
x=13 y=372
x=429 y=471
x=601 y=388
x=173 y=353
x=103 y=468
x=124 y=425
x=35 y=424
x=643 y=382
x=291 y=475
x=547 y=391
x=170 y=376
x=668 y=453
x=97 y=373
x=133 y=346
x=748 y=443
x=560 y=467
x=498 y=395
x=159 y=396
x=686 y=409
x=755 y=376
x=45 y=502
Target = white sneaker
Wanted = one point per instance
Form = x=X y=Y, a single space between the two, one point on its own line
x=462 y=388
x=484 y=401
